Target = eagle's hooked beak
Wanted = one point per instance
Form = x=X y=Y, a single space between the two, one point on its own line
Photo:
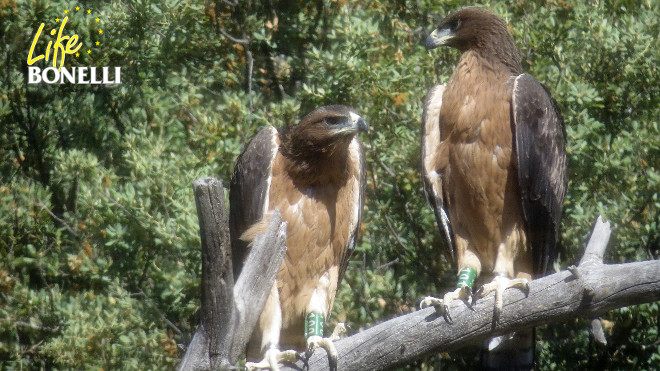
x=358 y=123
x=351 y=124
x=354 y=124
x=439 y=37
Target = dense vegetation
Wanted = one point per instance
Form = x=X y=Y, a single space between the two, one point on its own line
x=99 y=241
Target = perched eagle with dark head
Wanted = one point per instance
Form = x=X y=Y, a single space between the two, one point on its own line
x=494 y=169
x=313 y=173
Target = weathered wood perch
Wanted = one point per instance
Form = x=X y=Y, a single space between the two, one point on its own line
x=227 y=320
x=229 y=311
x=587 y=290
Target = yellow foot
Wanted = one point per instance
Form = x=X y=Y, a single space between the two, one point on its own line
x=272 y=358
x=462 y=293
x=499 y=284
x=314 y=342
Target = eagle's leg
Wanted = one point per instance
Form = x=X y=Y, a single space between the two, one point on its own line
x=326 y=343
x=316 y=339
x=463 y=291
x=316 y=314
x=270 y=323
x=500 y=283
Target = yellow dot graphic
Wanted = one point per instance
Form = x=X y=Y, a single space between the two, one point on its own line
x=100 y=31
x=89 y=11
x=97 y=43
x=57 y=19
x=89 y=51
x=77 y=8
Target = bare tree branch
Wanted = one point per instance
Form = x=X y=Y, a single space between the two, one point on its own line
x=590 y=289
x=587 y=290
x=254 y=284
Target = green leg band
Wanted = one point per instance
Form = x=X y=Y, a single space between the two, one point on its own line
x=466 y=277
x=314 y=325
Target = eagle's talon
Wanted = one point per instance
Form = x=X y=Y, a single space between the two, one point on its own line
x=463 y=293
x=468 y=296
x=314 y=342
x=499 y=284
x=439 y=305
x=496 y=313
x=271 y=360
x=446 y=314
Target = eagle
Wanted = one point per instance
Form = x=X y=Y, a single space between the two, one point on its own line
x=314 y=174
x=494 y=170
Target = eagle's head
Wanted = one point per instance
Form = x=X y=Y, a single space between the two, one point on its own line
x=324 y=130
x=320 y=141
x=330 y=123
x=477 y=29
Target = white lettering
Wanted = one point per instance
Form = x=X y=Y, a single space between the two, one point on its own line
x=82 y=75
x=105 y=76
x=94 y=80
x=56 y=75
x=70 y=75
x=74 y=75
x=34 y=75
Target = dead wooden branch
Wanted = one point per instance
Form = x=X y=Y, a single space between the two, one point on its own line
x=586 y=291
x=229 y=312
x=227 y=320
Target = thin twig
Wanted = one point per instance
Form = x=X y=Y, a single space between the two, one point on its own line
x=383 y=266
x=250 y=63
x=35 y=327
x=33 y=348
x=244 y=41
x=57 y=218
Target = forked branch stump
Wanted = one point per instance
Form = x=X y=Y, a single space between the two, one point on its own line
x=229 y=311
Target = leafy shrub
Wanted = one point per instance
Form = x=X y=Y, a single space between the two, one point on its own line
x=98 y=228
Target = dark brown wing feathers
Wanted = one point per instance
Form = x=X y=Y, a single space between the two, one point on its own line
x=540 y=145
x=248 y=191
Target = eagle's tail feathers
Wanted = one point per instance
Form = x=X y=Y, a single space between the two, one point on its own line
x=512 y=352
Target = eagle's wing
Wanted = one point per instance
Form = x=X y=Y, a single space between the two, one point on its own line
x=431 y=141
x=540 y=145
x=352 y=241
x=248 y=190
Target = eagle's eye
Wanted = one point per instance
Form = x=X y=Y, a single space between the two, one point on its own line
x=454 y=24
x=335 y=120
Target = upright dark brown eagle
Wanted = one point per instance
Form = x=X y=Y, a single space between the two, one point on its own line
x=494 y=169
x=313 y=173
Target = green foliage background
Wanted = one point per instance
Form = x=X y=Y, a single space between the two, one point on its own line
x=99 y=241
